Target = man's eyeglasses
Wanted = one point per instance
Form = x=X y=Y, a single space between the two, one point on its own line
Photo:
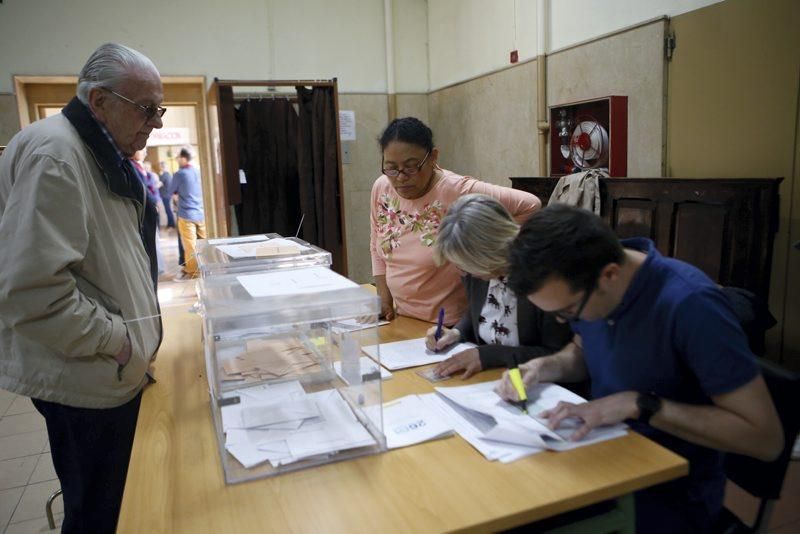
x=408 y=171
x=149 y=111
x=568 y=316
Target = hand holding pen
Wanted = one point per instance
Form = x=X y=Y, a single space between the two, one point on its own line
x=440 y=337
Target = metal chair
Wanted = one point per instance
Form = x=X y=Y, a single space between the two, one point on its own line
x=48 y=508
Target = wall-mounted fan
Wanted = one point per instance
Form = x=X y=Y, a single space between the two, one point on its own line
x=588 y=145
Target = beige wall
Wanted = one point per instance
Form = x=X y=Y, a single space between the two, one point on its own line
x=487 y=127
x=732 y=101
x=358 y=176
x=413 y=105
x=9 y=118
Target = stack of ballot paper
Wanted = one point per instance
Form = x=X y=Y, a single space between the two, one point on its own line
x=282 y=424
x=293 y=282
x=501 y=431
x=262 y=248
x=410 y=420
x=411 y=353
x=266 y=359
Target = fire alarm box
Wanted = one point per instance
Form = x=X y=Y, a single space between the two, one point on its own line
x=591 y=134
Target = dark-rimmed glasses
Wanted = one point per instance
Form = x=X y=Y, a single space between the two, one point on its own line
x=568 y=316
x=408 y=171
x=149 y=111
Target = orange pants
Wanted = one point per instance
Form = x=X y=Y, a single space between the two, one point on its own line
x=190 y=232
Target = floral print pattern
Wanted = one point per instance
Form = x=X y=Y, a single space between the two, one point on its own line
x=498 y=320
x=393 y=222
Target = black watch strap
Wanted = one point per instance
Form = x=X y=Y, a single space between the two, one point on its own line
x=649 y=404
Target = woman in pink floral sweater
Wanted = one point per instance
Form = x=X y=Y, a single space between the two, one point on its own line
x=408 y=203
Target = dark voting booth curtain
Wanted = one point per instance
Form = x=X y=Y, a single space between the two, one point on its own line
x=290 y=160
x=318 y=169
x=268 y=157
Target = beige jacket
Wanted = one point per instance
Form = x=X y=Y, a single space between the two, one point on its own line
x=581 y=189
x=72 y=269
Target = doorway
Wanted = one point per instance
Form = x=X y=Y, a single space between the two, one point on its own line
x=185 y=125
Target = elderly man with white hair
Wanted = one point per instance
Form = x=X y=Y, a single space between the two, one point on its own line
x=79 y=319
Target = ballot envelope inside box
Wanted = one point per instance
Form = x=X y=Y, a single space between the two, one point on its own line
x=287 y=388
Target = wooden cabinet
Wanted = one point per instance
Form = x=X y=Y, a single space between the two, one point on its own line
x=724 y=226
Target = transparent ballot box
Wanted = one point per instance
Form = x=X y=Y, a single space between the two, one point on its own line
x=256 y=253
x=289 y=387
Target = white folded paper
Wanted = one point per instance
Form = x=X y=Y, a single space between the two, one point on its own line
x=411 y=353
x=409 y=420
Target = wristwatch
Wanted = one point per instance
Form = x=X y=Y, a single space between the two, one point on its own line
x=649 y=404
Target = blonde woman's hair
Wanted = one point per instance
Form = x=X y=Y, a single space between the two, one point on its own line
x=476 y=235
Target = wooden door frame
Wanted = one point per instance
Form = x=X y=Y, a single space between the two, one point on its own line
x=178 y=90
x=227 y=172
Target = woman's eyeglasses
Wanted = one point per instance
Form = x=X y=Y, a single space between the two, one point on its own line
x=149 y=111
x=408 y=171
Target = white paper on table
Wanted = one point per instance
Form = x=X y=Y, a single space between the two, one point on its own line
x=511 y=420
x=250 y=248
x=408 y=421
x=483 y=399
x=259 y=415
x=247 y=454
x=471 y=426
x=367 y=366
x=352 y=325
x=238 y=239
x=411 y=353
x=294 y=282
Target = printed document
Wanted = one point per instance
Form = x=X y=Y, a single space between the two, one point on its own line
x=411 y=353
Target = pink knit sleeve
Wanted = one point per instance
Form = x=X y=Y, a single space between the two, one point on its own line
x=378 y=263
x=519 y=204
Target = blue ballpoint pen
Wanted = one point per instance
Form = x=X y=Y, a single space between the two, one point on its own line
x=439 y=324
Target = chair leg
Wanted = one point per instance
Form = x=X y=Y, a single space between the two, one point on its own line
x=48 y=508
x=761 y=524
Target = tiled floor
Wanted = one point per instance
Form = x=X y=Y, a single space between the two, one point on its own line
x=27 y=476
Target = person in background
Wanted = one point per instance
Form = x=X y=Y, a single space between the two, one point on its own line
x=408 y=202
x=79 y=318
x=662 y=347
x=166 y=199
x=191 y=219
x=151 y=184
x=149 y=179
x=475 y=236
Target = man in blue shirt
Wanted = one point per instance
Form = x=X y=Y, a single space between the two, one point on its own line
x=663 y=350
x=191 y=219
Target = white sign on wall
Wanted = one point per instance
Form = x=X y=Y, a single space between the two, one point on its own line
x=347 y=125
x=169 y=137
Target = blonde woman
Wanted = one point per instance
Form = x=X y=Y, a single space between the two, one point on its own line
x=475 y=236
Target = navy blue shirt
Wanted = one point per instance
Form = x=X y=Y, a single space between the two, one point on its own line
x=676 y=335
x=186 y=182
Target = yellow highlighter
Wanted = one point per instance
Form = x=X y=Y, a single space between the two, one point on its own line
x=519 y=386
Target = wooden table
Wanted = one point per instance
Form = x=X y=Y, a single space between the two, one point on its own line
x=175 y=482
